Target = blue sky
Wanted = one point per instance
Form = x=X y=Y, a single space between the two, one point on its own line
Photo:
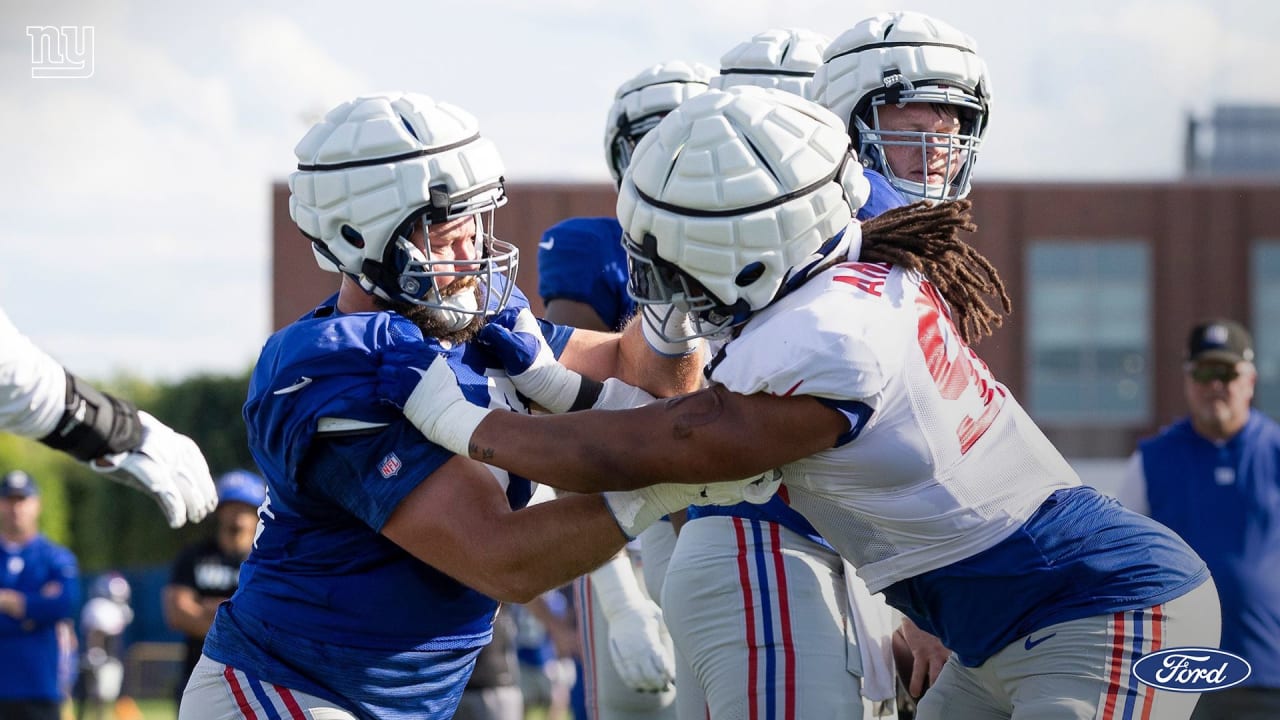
x=136 y=232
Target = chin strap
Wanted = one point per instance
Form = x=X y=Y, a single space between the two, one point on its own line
x=94 y=424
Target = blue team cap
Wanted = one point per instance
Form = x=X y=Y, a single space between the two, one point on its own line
x=241 y=486
x=18 y=484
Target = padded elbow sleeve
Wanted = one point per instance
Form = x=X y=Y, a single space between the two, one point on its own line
x=94 y=423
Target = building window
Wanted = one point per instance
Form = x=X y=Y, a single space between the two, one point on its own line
x=1265 y=324
x=1088 y=332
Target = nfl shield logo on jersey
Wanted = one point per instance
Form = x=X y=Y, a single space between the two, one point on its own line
x=389 y=466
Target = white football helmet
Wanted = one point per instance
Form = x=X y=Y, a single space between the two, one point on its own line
x=908 y=57
x=376 y=166
x=781 y=58
x=642 y=101
x=736 y=198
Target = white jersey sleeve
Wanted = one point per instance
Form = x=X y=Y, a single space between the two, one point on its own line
x=33 y=386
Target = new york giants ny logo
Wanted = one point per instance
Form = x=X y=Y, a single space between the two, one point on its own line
x=60 y=53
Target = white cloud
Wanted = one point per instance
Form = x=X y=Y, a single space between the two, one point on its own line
x=137 y=202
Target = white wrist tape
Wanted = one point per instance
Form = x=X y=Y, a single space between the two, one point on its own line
x=450 y=426
x=617 y=395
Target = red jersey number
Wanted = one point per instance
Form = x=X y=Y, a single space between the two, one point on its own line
x=959 y=374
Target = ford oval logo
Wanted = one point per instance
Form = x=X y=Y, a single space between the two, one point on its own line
x=1191 y=669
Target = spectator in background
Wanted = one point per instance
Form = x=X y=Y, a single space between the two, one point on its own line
x=103 y=620
x=207 y=572
x=39 y=582
x=1214 y=478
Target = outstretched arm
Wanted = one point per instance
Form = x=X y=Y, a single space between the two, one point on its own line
x=707 y=436
x=41 y=399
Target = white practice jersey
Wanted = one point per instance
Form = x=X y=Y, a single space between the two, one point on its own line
x=33 y=386
x=947 y=463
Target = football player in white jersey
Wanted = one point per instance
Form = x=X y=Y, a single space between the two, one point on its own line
x=847 y=366
x=916 y=99
x=789 y=628
x=628 y=662
x=41 y=399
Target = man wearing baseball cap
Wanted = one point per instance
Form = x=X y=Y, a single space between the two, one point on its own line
x=1214 y=478
x=39 y=583
x=208 y=572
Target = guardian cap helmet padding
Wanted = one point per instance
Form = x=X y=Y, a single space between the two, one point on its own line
x=376 y=166
x=781 y=58
x=642 y=101
x=737 y=197
x=907 y=57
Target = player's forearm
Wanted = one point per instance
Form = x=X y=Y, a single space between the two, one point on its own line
x=690 y=440
x=545 y=546
x=629 y=358
x=712 y=435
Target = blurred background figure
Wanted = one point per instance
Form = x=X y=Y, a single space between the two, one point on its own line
x=207 y=572
x=548 y=648
x=1214 y=478
x=39 y=582
x=103 y=620
x=493 y=691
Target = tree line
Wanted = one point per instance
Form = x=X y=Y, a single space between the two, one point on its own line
x=108 y=525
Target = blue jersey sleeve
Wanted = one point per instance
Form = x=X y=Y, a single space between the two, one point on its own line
x=370 y=475
x=582 y=259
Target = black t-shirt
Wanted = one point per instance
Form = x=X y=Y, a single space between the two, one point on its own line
x=205 y=568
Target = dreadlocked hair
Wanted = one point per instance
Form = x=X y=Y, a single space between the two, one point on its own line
x=926 y=238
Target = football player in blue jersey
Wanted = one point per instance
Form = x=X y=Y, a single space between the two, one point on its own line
x=846 y=365
x=628 y=664
x=380 y=557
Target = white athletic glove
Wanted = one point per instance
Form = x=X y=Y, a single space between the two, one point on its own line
x=644 y=660
x=169 y=467
x=516 y=338
x=636 y=510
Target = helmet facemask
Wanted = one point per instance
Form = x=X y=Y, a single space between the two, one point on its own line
x=626 y=138
x=960 y=149
x=661 y=291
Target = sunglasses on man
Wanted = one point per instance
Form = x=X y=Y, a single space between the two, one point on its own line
x=1207 y=373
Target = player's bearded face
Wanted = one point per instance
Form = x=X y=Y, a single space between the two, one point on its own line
x=434 y=322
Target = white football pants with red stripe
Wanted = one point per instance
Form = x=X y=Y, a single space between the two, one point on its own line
x=1080 y=670
x=761 y=616
x=219 y=692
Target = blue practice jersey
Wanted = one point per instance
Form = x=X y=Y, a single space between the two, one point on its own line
x=47 y=576
x=1224 y=500
x=582 y=259
x=1080 y=554
x=883 y=198
x=326 y=604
